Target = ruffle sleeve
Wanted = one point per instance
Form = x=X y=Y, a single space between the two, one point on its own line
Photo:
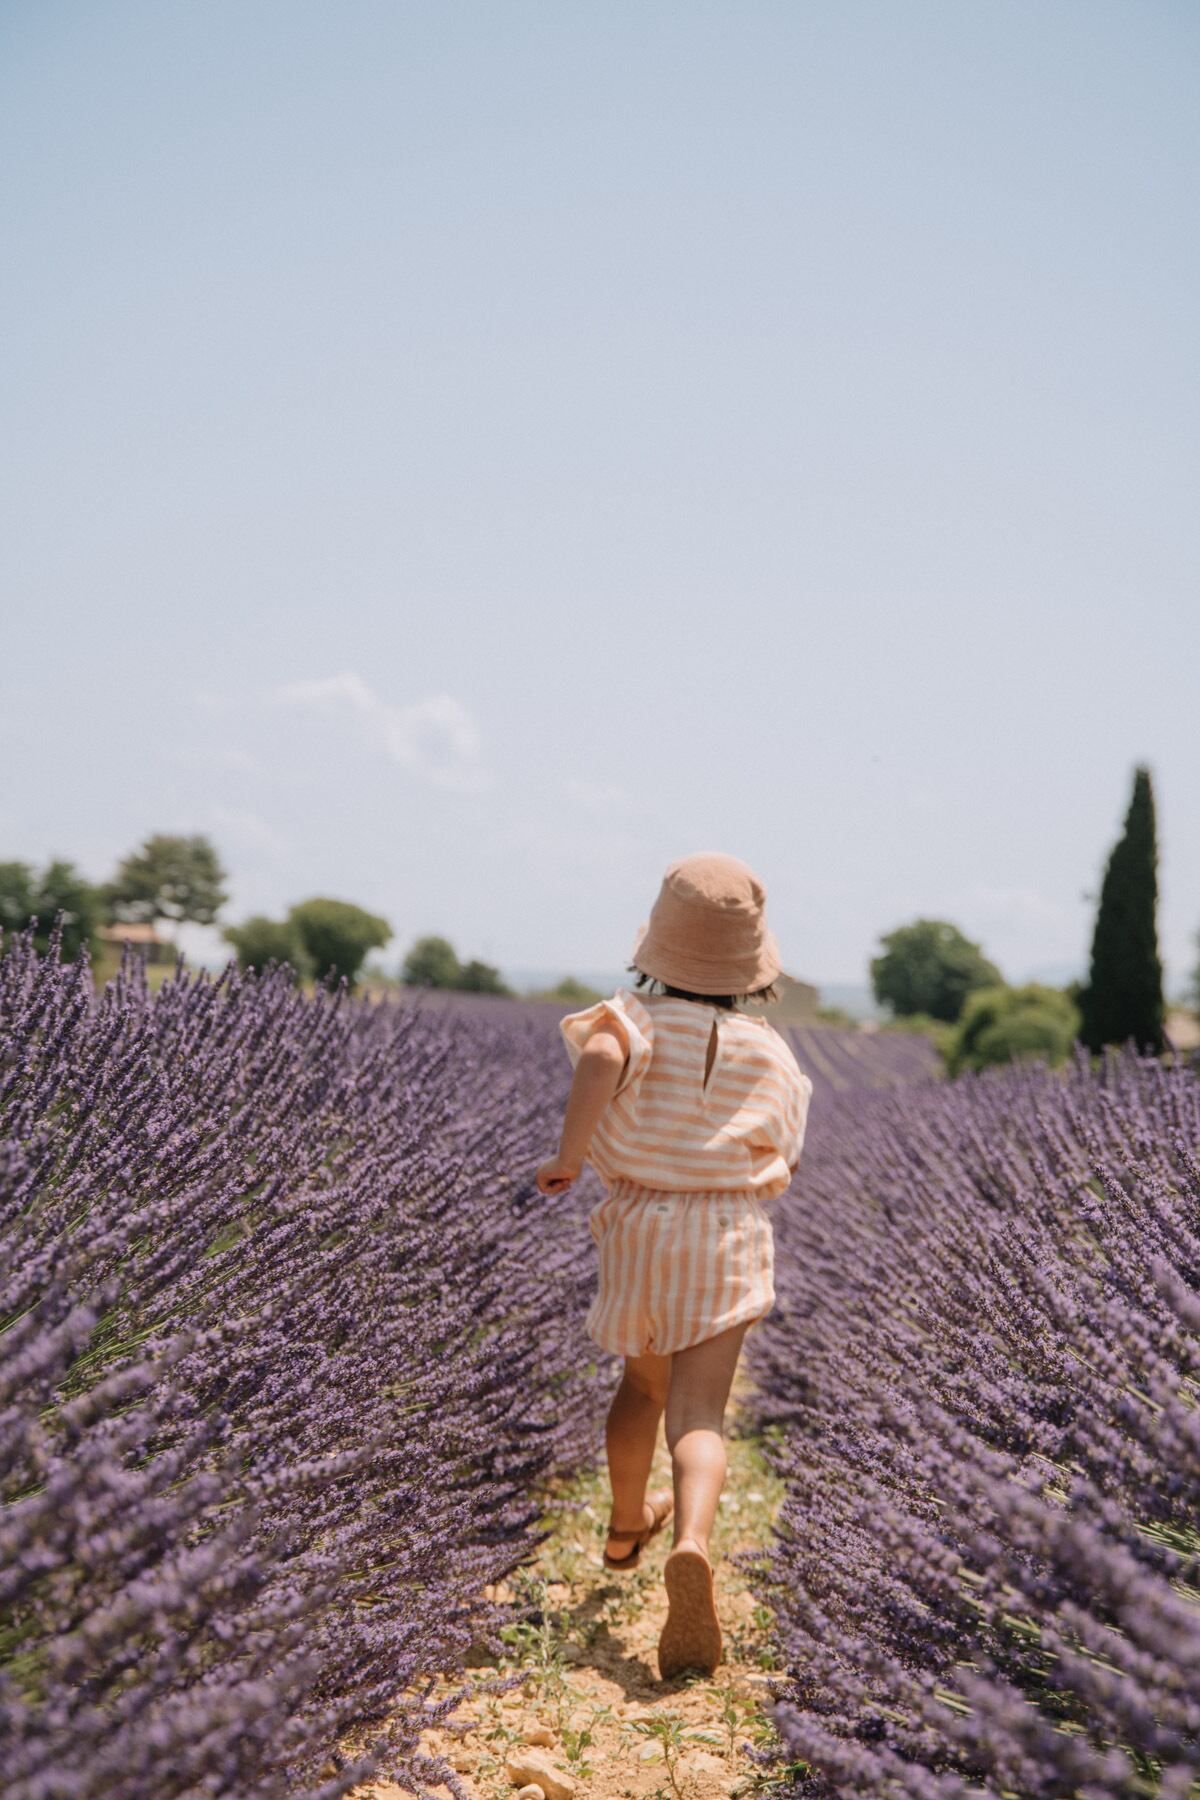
x=629 y=1019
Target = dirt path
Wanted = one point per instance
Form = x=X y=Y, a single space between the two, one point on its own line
x=592 y=1704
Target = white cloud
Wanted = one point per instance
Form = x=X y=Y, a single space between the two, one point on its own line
x=1022 y=907
x=247 y=829
x=435 y=738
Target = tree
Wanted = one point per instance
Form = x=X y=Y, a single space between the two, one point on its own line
x=1123 y=996
x=337 y=935
x=930 y=967
x=174 y=878
x=259 y=941
x=1030 y=1022
x=432 y=962
x=481 y=978
x=16 y=896
x=60 y=888
x=570 y=991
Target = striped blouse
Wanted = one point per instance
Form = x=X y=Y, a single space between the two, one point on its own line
x=666 y=1127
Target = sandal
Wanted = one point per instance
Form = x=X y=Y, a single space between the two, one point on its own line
x=691 y=1636
x=661 y=1504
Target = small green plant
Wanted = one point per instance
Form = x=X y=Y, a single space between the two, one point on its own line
x=731 y=1717
x=538 y=1647
x=665 y=1734
x=574 y=1744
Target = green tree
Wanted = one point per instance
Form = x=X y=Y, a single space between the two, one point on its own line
x=1123 y=996
x=60 y=888
x=432 y=962
x=998 y=1023
x=337 y=935
x=930 y=967
x=259 y=941
x=17 y=888
x=174 y=878
x=481 y=978
x=568 y=990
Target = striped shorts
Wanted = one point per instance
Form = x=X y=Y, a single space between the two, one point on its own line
x=676 y=1268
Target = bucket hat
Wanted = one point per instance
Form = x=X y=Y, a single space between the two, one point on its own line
x=707 y=931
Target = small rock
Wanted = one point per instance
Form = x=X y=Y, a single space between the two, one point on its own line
x=539 y=1734
x=702 y=1762
x=532 y=1792
x=531 y=1768
x=573 y=1653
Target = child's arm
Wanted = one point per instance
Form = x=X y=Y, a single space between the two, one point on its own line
x=597 y=1075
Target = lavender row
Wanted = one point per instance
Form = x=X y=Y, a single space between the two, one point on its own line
x=982 y=1385
x=843 y=1061
x=287 y=1342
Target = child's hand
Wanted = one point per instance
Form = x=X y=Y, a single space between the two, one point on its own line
x=556 y=1176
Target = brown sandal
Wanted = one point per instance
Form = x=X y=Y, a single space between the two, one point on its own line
x=691 y=1637
x=661 y=1504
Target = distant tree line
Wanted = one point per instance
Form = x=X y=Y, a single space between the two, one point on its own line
x=928 y=974
x=172 y=880
x=168 y=879
x=320 y=939
x=433 y=963
x=931 y=977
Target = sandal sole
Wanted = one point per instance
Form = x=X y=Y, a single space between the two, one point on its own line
x=691 y=1637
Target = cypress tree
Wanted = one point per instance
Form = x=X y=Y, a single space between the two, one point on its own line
x=1123 y=997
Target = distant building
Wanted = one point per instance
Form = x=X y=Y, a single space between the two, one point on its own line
x=1183 y=1029
x=798 y=1002
x=143 y=937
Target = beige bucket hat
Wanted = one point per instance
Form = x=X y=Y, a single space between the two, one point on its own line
x=707 y=931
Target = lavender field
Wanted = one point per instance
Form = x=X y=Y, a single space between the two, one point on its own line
x=286 y=1348
x=291 y=1351
x=981 y=1385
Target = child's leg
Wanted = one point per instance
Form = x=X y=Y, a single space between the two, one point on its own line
x=630 y=1436
x=701 y=1378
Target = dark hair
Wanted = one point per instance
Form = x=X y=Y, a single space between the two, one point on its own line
x=766 y=995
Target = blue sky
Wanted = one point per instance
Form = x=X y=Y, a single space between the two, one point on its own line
x=463 y=456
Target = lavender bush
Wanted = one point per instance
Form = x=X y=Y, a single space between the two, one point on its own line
x=287 y=1340
x=982 y=1384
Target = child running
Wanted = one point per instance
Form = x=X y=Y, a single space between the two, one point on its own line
x=693 y=1115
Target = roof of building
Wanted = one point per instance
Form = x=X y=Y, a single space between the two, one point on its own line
x=135 y=931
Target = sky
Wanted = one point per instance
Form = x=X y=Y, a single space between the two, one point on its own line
x=462 y=457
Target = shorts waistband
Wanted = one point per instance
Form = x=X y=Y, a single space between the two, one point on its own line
x=636 y=1190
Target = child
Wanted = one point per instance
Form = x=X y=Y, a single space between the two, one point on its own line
x=693 y=1115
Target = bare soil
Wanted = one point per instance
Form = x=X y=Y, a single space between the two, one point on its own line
x=591 y=1700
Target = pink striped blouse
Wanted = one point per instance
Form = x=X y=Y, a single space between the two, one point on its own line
x=667 y=1127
